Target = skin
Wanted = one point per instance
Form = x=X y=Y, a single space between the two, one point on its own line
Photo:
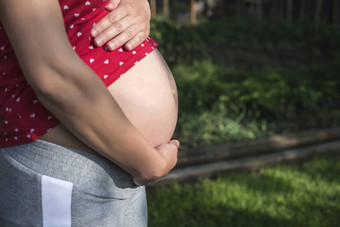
x=59 y=77
x=127 y=24
x=147 y=96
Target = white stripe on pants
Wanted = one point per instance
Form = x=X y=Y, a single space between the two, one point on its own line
x=56 y=202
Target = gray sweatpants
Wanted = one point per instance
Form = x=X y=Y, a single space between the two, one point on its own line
x=44 y=184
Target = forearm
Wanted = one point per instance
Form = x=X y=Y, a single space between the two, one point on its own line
x=87 y=109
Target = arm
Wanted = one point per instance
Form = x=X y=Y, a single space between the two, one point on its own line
x=70 y=90
x=127 y=24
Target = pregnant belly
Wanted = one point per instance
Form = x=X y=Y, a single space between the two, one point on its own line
x=147 y=95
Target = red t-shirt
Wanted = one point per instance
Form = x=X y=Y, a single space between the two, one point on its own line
x=24 y=118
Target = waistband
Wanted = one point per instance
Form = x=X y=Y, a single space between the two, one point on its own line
x=82 y=169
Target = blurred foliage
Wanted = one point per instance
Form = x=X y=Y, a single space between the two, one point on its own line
x=221 y=102
x=178 y=43
x=181 y=43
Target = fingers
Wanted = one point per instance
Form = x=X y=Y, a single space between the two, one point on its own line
x=122 y=37
x=108 y=21
x=112 y=5
x=175 y=142
x=115 y=28
x=136 y=40
x=169 y=153
x=121 y=28
x=123 y=33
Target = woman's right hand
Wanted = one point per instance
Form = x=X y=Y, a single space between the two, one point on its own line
x=169 y=153
x=128 y=24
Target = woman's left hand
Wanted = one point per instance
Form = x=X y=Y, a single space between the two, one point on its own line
x=127 y=24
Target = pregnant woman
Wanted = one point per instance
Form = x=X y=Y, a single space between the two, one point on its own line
x=83 y=128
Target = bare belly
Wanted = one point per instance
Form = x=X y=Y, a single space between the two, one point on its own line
x=147 y=95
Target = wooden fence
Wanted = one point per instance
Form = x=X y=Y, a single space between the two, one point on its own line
x=292 y=10
x=166 y=10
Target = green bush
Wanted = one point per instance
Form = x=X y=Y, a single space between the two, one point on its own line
x=185 y=43
x=220 y=103
x=178 y=43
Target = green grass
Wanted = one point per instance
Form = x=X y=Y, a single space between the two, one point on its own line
x=284 y=195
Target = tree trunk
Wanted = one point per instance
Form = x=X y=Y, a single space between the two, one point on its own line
x=153 y=8
x=274 y=9
x=335 y=12
x=309 y=10
x=318 y=11
x=259 y=11
x=240 y=8
x=302 y=10
x=166 y=10
x=289 y=10
x=193 y=17
x=174 y=13
x=281 y=9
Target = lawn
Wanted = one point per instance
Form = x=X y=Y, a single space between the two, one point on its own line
x=304 y=194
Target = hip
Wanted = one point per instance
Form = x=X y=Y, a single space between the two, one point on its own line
x=41 y=176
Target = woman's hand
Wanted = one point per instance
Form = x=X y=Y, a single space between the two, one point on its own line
x=127 y=24
x=169 y=153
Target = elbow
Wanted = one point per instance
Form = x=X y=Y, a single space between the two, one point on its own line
x=50 y=87
x=55 y=74
x=44 y=84
x=56 y=84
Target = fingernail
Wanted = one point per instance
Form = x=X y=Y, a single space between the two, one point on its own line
x=99 y=41
x=110 y=5
x=129 y=47
x=111 y=46
x=94 y=32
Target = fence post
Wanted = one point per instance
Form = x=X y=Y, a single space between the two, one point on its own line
x=302 y=10
x=193 y=17
x=335 y=12
x=166 y=11
x=259 y=11
x=318 y=12
x=289 y=11
x=153 y=8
